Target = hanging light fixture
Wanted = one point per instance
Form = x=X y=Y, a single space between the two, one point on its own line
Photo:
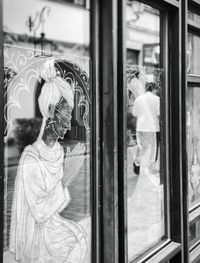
x=42 y=46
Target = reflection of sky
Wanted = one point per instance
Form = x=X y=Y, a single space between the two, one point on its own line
x=65 y=23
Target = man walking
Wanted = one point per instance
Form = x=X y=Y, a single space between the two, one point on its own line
x=147 y=111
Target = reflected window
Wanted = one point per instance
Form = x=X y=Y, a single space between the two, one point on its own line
x=132 y=57
x=194 y=17
x=193 y=54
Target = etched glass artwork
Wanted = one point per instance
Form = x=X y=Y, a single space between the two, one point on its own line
x=47 y=149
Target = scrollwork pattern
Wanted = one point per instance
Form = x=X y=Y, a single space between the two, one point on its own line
x=21 y=64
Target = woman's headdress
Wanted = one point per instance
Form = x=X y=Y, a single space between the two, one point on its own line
x=53 y=90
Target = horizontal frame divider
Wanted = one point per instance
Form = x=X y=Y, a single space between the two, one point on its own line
x=163 y=252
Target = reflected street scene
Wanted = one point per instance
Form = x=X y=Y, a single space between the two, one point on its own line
x=145 y=196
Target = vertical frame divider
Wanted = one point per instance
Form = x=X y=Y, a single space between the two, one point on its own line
x=174 y=116
x=164 y=120
x=184 y=169
x=108 y=86
x=122 y=123
x=96 y=185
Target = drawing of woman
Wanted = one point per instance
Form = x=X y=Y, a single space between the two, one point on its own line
x=38 y=233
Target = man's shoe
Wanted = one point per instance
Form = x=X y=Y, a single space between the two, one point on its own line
x=136 y=168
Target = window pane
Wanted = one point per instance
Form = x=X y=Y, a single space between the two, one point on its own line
x=193 y=54
x=144 y=92
x=193 y=127
x=47 y=132
x=194 y=231
x=194 y=17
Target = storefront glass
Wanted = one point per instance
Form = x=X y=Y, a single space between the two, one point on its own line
x=193 y=126
x=145 y=203
x=194 y=17
x=194 y=231
x=193 y=54
x=47 y=207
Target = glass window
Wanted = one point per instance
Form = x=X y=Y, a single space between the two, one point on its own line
x=47 y=208
x=194 y=17
x=132 y=57
x=194 y=231
x=193 y=54
x=145 y=204
x=193 y=143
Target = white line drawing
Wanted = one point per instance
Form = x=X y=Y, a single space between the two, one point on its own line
x=22 y=65
x=38 y=233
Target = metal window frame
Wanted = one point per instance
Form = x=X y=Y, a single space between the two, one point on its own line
x=193 y=81
x=178 y=179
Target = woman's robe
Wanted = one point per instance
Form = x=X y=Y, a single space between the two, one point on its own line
x=38 y=233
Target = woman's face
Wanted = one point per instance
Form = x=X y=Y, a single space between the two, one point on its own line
x=62 y=116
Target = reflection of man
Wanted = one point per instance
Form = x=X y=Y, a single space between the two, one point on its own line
x=147 y=110
x=135 y=86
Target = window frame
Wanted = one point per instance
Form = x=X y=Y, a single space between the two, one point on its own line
x=95 y=186
x=173 y=246
x=193 y=80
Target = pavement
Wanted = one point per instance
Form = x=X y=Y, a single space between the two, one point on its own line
x=144 y=207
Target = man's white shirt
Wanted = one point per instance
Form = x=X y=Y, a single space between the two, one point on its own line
x=147 y=110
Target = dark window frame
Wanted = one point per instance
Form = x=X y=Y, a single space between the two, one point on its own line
x=193 y=81
x=177 y=204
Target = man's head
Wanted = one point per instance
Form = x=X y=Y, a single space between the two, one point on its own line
x=135 y=83
x=152 y=87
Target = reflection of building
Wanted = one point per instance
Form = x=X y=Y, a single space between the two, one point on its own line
x=74 y=41
x=142 y=35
